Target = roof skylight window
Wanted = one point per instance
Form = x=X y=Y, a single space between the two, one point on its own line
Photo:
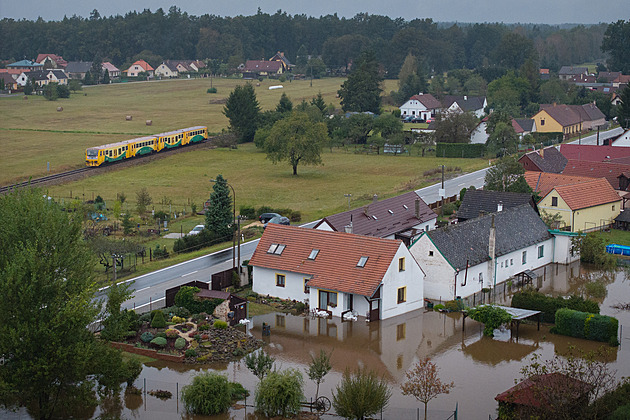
x=362 y=262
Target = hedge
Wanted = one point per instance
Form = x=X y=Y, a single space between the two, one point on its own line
x=584 y=325
x=460 y=150
x=252 y=213
x=548 y=305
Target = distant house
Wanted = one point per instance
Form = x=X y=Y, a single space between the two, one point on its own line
x=51 y=61
x=548 y=159
x=473 y=104
x=139 y=67
x=567 y=72
x=461 y=259
x=479 y=134
x=43 y=77
x=78 y=69
x=622 y=79
x=608 y=76
x=422 y=105
x=544 y=74
x=558 y=119
x=523 y=126
x=197 y=65
x=9 y=82
x=25 y=65
x=480 y=202
x=114 y=72
x=280 y=57
x=622 y=140
x=585 y=206
x=263 y=68
x=167 y=69
x=543 y=182
x=338 y=272
x=402 y=217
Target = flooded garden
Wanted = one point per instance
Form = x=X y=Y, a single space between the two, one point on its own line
x=480 y=367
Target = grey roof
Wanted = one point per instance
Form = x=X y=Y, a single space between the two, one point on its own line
x=624 y=216
x=593 y=112
x=516 y=228
x=527 y=124
x=383 y=218
x=573 y=70
x=43 y=74
x=466 y=103
x=78 y=66
x=476 y=201
x=553 y=160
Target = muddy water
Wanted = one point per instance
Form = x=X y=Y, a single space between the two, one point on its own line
x=480 y=367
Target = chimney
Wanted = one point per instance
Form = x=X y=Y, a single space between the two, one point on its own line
x=374 y=198
x=465 y=97
x=500 y=206
x=348 y=228
x=417 y=208
x=491 y=252
x=365 y=210
x=542 y=152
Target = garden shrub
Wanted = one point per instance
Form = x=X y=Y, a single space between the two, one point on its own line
x=221 y=325
x=536 y=301
x=439 y=306
x=161 y=334
x=238 y=391
x=171 y=333
x=299 y=307
x=212 y=90
x=454 y=305
x=159 y=341
x=491 y=316
x=146 y=337
x=190 y=353
x=621 y=413
x=585 y=325
x=248 y=211
x=360 y=394
x=208 y=394
x=280 y=393
x=180 y=343
x=203 y=327
x=133 y=369
x=158 y=320
x=185 y=297
x=146 y=317
x=130 y=334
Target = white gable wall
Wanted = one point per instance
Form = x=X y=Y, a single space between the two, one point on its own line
x=415 y=108
x=325 y=226
x=479 y=135
x=623 y=140
x=412 y=278
x=264 y=283
x=440 y=276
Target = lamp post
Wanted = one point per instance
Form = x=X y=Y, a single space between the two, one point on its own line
x=348 y=197
x=233 y=221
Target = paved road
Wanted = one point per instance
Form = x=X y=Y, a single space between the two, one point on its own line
x=453 y=186
x=592 y=139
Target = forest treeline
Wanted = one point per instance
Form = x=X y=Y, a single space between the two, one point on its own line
x=177 y=35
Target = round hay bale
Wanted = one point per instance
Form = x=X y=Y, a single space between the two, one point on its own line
x=149 y=122
x=25 y=97
x=128 y=117
x=59 y=108
x=257 y=84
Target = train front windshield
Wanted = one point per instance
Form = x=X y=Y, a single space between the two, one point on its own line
x=92 y=153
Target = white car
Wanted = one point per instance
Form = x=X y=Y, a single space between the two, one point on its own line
x=197 y=229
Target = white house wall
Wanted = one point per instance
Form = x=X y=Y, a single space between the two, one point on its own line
x=264 y=283
x=439 y=280
x=412 y=278
x=623 y=140
x=479 y=135
x=562 y=250
x=415 y=108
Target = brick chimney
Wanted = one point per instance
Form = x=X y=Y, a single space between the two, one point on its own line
x=375 y=198
x=417 y=210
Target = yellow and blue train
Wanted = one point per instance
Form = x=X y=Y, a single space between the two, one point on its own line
x=114 y=152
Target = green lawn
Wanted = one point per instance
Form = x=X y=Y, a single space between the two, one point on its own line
x=615 y=236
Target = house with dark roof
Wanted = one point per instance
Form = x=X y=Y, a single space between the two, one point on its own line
x=584 y=206
x=461 y=259
x=479 y=202
x=523 y=126
x=279 y=56
x=473 y=104
x=8 y=81
x=114 y=72
x=167 y=69
x=567 y=72
x=622 y=140
x=422 y=105
x=78 y=69
x=402 y=217
x=548 y=159
x=558 y=119
x=263 y=68
x=338 y=273
x=43 y=77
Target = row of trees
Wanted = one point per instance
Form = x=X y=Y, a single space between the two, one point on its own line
x=337 y=40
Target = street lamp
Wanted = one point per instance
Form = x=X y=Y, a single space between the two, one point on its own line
x=233 y=221
x=348 y=197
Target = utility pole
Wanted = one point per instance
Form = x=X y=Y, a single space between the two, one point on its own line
x=348 y=197
x=442 y=194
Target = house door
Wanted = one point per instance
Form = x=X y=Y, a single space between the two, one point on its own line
x=375 y=310
x=350 y=302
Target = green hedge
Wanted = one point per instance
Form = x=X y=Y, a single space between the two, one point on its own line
x=253 y=213
x=584 y=325
x=460 y=150
x=548 y=305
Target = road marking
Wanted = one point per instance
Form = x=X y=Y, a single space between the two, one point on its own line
x=150 y=303
x=193 y=272
x=148 y=287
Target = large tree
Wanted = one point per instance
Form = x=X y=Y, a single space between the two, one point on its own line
x=296 y=139
x=362 y=91
x=243 y=111
x=623 y=109
x=506 y=175
x=46 y=307
x=616 y=43
x=454 y=127
x=219 y=216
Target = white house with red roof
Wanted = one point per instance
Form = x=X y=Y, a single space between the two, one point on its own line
x=55 y=61
x=337 y=272
x=422 y=105
x=114 y=71
x=138 y=67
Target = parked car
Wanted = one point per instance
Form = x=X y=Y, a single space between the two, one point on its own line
x=418 y=120
x=407 y=118
x=279 y=220
x=265 y=217
x=196 y=230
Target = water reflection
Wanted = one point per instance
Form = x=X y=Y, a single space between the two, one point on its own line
x=480 y=367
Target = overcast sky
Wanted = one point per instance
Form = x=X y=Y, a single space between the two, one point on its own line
x=507 y=11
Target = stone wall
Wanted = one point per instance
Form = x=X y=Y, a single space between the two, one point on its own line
x=222 y=310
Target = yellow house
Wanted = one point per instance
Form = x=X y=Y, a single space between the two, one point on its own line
x=558 y=119
x=583 y=206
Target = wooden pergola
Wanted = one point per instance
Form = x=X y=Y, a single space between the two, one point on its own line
x=518 y=314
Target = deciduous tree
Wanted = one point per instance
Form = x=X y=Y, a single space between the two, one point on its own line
x=506 y=174
x=616 y=43
x=424 y=384
x=623 y=109
x=454 y=127
x=318 y=368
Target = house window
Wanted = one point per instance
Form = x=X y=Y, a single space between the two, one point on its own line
x=554 y=201
x=399 y=362
x=613 y=207
x=401 y=264
x=280 y=280
x=327 y=299
x=401 y=331
x=306 y=288
x=276 y=249
x=280 y=321
x=511 y=261
x=430 y=253
x=524 y=258
x=362 y=261
x=501 y=265
x=541 y=251
x=402 y=294
x=542 y=122
x=480 y=277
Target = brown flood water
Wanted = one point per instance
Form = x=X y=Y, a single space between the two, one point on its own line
x=480 y=367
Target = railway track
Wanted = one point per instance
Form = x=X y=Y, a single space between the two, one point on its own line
x=68 y=175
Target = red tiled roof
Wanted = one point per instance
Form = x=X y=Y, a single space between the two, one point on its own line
x=427 y=100
x=607 y=170
x=146 y=66
x=593 y=153
x=335 y=267
x=543 y=182
x=383 y=218
x=534 y=391
x=587 y=194
x=56 y=58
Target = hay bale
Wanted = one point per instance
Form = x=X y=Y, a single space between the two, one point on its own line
x=149 y=122
x=128 y=117
x=257 y=84
x=25 y=97
x=59 y=108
